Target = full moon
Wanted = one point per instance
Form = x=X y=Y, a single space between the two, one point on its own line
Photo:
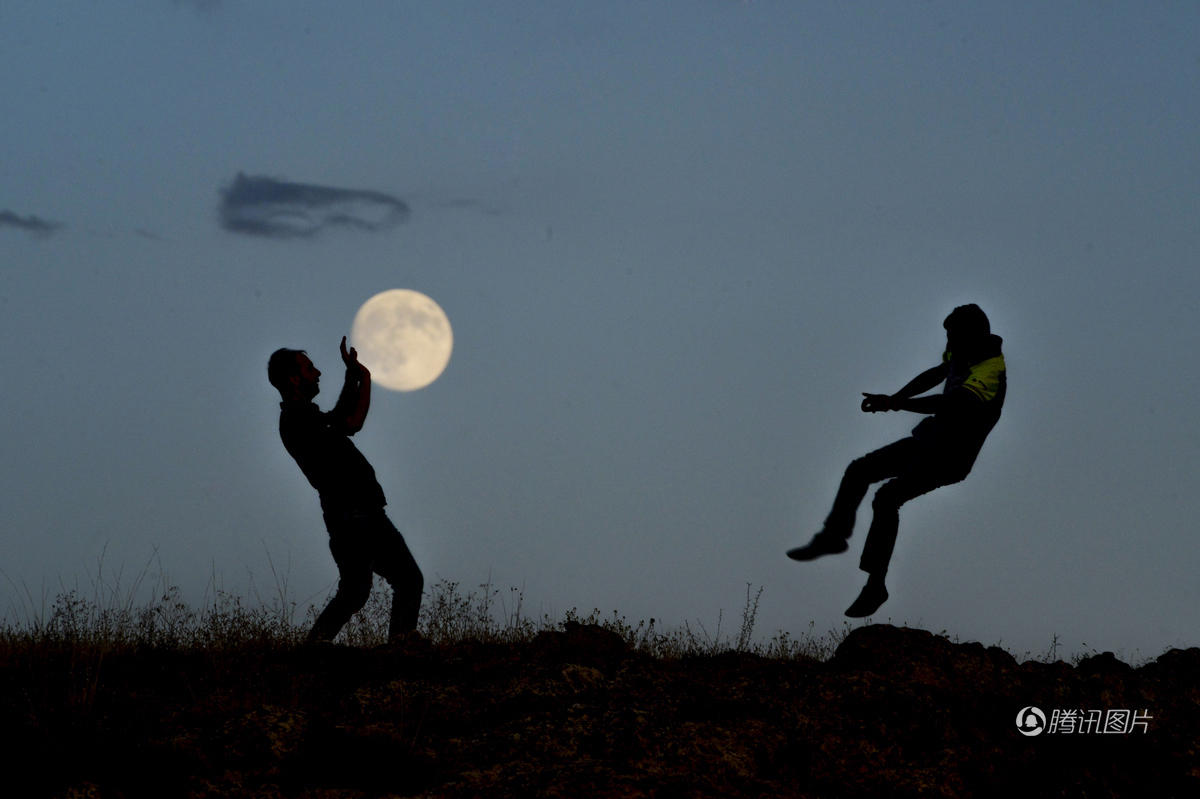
x=404 y=338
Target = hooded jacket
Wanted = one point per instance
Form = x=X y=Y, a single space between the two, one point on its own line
x=976 y=384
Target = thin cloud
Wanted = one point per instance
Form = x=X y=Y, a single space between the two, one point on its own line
x=30 y=224
x=264 y=206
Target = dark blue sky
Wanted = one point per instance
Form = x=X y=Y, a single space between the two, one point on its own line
x=675 y=242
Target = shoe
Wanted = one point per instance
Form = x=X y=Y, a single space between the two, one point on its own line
x=872 y=596
x=822 y=544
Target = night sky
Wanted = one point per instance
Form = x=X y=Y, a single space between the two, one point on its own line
x=676 y=242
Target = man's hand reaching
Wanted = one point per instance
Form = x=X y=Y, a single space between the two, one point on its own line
x=873 y=403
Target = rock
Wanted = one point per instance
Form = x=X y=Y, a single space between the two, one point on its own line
x=584 y=644
x=1104 y=663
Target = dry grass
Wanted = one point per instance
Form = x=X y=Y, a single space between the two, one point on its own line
x=110 y=619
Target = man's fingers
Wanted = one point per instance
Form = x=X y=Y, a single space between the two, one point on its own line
x=349 y=356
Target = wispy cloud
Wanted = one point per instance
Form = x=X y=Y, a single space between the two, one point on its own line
x=30 y=224
x=264 y=206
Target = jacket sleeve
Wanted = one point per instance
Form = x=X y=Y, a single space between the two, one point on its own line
x=986 y=379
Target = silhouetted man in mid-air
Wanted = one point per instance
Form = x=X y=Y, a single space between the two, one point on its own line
x=940 y=451
x=361 y=537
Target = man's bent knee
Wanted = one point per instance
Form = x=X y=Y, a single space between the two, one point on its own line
x=858 y=470
x=353 y=597
x=888 y=498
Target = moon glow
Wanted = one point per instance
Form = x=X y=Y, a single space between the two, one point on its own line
x=404 y=338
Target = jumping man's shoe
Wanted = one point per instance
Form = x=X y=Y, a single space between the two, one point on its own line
x=822 y=544
x=873 y=595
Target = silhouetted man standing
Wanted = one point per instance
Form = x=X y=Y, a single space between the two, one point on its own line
x=941 y=450
x=361 y=537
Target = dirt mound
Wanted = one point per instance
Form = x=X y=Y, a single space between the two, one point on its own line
x=577 y=713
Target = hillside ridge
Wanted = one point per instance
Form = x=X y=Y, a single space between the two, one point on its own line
x=577 y=712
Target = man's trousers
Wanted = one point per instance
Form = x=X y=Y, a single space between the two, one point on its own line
x=363 y=544
x=913 y=469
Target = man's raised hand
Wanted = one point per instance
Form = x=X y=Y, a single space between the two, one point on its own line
x=350 y=358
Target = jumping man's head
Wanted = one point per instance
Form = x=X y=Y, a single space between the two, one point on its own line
x=293 y=374
x=967 y=328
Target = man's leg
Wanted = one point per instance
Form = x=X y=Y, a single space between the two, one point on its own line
x=354 y=583
x=879 y=465
x=881 y=538
x=395 y=563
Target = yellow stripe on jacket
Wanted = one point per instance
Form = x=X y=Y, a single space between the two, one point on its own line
x=986 y=378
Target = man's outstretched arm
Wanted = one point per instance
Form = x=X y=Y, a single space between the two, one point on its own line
x=355 y=399
x=906 y=399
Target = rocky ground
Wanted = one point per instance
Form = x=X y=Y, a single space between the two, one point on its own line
x=576 y=713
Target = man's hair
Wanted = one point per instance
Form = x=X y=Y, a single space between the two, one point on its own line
x=969 y=320
x=282 y=365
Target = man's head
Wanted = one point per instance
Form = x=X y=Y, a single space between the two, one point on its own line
x=293 y=374
x=967 y=327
